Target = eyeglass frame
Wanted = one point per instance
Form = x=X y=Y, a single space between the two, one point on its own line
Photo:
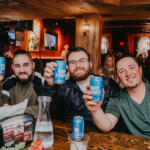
x=74 y=62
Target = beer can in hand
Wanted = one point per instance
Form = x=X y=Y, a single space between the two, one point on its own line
x=60 y=72
x=96 y=86
x=2 y=66
x=77 y=128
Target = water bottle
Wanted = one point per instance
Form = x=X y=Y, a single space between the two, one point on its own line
x=44 y=127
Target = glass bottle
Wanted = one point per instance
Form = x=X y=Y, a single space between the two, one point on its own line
x=44 y=128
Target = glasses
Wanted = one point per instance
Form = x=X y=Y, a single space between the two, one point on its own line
x=81 y=61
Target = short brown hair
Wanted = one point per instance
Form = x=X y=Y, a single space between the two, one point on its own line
x=21 y=52
x=124 y=55
x=77 y=49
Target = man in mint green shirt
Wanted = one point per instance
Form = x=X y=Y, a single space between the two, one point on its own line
x=132 y=103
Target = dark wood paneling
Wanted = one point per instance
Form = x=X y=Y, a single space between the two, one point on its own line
x=64 y=9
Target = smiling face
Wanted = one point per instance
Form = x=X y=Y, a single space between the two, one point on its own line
x=23 y=68
x=79 y=65
x=129 y=73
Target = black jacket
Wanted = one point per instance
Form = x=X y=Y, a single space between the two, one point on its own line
x=68 y=99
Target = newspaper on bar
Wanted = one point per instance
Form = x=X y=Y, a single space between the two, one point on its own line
x=13 y=110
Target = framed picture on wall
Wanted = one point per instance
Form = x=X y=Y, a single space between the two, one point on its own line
x=140 y=43
x=33 y=37
x=105 y=43
x=32 y=41
x=50 y=40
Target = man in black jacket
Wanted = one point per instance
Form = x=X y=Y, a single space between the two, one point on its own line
x=68 y=97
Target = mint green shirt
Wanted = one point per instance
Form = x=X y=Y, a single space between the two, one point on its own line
x=135 y=116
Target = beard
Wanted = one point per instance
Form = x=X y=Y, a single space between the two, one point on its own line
x=24 y=81
x=132 y=86
x=82 y=76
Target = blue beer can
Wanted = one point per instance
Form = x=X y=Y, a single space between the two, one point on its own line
x=77 y=128
x=2 y=65
x=96 y=86
x=60 y=72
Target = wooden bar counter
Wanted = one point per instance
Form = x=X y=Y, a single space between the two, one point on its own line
x=98 y=140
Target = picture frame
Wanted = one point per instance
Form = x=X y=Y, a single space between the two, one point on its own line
x=32 y=41
x=33 y=37
x=106 y=42
x=139 y=42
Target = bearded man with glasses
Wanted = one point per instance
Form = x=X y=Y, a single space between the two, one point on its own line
x=67 y=99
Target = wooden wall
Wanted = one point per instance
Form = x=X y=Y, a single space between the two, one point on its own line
x=91 y=41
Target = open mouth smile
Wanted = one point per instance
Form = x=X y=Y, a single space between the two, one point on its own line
x=130 y=79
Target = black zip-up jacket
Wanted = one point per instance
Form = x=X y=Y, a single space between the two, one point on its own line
x=67 y=99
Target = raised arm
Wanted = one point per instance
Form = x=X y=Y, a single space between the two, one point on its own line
x=105 y=122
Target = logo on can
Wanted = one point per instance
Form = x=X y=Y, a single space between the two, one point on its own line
x=2 y=65
x=96 y=86
x=60 y=72
x=77 y=128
